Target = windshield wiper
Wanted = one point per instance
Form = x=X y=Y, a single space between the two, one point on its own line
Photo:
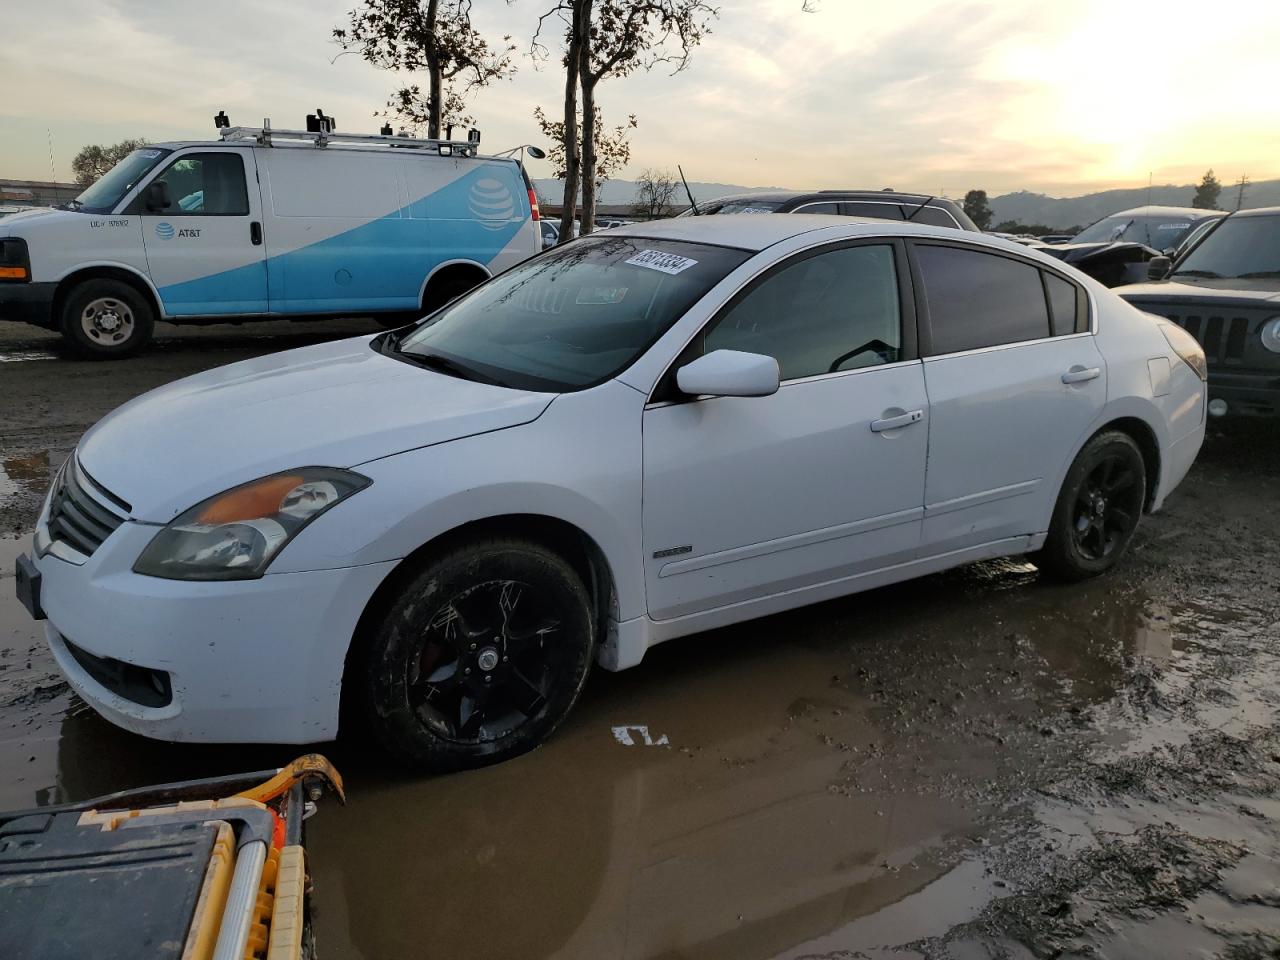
x=1207 y=274
x=1259 y=275
x=446 y=365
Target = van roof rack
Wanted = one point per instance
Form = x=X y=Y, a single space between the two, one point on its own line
x=322 y=137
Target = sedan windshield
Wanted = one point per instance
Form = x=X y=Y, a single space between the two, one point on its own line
x=1242 y=248
x=1160 y=233
x=572 y=317
x=108 y=191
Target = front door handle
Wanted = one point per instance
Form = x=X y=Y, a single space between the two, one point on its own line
x=255 y=233
x=1081 y=374
x=901 y=420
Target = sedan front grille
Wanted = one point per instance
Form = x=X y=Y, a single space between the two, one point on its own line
x=81 y=513
x=1223 y=338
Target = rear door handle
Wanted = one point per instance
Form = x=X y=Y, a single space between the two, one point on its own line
x=893 y=423
x=1081 y=374
x=255 y=233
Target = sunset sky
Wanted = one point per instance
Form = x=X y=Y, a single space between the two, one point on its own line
x=1061 y=98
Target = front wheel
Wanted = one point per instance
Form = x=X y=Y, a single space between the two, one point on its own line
x=106 y=319
x=480 y=658
x=1098 y=509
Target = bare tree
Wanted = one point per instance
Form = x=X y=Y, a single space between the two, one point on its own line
x=654 y=192
x=612 y=149
x=95 y=160
x=431 y=35
x=612 y=38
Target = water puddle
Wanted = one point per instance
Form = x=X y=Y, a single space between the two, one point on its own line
x=20 y=356
x=24 y=474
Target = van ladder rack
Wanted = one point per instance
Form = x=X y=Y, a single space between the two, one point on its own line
x=265 y=134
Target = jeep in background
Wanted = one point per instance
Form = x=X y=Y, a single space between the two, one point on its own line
x=1225 y=291
x=876 y=204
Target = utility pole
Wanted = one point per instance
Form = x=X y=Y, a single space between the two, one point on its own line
x=1244 y=182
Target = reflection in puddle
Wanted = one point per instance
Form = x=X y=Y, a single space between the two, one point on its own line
x=30 y=474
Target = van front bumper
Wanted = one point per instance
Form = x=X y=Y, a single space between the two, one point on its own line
x=249 y=661
x=27 y=303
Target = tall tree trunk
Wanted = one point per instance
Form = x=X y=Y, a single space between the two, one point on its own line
x=588 y=153
x=581 y=23
x=435 y=75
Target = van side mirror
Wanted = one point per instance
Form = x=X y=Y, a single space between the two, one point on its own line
x=157 y=196
x=729 y=373
x=1158 y=268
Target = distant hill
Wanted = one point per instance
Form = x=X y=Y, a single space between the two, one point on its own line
x=1024 y=207
x=1031 y=208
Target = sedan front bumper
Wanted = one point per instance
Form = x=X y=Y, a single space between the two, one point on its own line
x=250 y=661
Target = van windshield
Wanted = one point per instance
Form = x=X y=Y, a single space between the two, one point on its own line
x=572 y=317
x=108 y=191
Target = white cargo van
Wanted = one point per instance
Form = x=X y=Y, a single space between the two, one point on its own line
x=266 y=223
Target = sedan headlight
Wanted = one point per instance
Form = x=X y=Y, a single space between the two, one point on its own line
x=1270 y=333
x=236 y=535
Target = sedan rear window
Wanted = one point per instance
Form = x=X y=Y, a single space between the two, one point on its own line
x=980 y=299
x=574 y=316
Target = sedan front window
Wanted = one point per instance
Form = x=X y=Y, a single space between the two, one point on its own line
x=572 y=317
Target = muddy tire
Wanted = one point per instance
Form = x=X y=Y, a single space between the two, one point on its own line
x=1097 y=511
x=480 y=658
x=106 y=319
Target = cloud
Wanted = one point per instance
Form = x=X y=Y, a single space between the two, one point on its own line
x=918 y=94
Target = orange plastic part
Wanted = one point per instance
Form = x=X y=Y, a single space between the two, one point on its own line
x=260 y=499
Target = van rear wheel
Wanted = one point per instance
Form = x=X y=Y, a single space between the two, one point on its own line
x=106 y=319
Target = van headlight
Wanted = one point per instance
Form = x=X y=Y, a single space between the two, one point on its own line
x=236 y=535
x=1270 y=333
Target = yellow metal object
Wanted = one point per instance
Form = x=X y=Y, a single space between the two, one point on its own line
x=202 y=936
x=287 y=911
x=312 y=765
x=111 y=819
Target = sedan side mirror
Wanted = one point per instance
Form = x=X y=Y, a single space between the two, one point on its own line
x=157 y=196
x=729 y=373
x=1158 y=268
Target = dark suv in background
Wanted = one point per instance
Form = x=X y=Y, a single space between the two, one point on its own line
x=877 y=204
x=1224 y=290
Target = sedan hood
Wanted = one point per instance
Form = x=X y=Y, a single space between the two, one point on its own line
x=1207 y=289
x=334 y=405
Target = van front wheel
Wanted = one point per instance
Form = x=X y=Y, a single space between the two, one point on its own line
x=106 y=319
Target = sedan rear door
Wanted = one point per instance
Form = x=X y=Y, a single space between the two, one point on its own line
x=1015 y=381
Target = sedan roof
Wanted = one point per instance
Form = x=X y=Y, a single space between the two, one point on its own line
x=756 y=231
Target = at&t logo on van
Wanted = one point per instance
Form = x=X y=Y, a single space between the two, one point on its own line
x=491 y=203
x=165 y=231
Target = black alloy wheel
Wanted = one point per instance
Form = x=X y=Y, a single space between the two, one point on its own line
x=483 y=654
x=1098 y=509
x=1107 y=508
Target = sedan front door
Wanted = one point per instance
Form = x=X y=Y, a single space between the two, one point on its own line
x=824 y=480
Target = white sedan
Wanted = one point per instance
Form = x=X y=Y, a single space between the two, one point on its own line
x=433 y=532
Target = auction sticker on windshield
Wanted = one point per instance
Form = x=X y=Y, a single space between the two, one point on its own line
x=671 y=263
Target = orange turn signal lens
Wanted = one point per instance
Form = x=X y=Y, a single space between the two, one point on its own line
x=252 y=502
x=13 y=273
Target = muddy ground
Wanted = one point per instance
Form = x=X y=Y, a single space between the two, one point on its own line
x=976 y=764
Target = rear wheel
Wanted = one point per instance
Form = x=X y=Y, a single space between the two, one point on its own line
x=449 y=286
x=106 y=319
x=481 y=657
x=1098 y=509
